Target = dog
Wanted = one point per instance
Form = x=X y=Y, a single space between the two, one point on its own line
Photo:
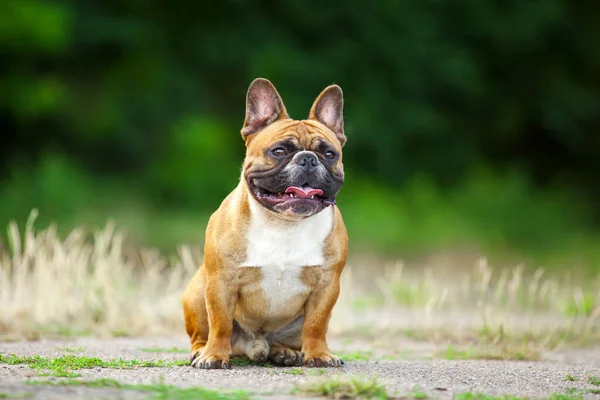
x=276 y=247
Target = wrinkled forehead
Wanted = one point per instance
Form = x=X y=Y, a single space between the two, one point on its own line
x=306 y=134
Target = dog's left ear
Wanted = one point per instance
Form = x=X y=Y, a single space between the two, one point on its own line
x=263 y=107
x=328 y=110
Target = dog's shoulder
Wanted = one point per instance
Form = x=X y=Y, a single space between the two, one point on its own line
x=225 y=236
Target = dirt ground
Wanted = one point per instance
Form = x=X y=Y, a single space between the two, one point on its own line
x=401 y=364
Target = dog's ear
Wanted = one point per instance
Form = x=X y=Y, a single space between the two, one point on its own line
x=263 y=107
x=328 y=109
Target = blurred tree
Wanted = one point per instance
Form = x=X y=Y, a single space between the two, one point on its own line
x=433 y=87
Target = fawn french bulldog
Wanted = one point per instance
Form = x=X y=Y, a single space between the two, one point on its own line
x=276 y=247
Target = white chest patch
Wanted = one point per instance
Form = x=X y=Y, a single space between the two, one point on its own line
x=282 y=249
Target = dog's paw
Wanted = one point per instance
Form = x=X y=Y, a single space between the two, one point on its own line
x=281 y=355
x=322 y=360
x=258 y=350
x=208 y=361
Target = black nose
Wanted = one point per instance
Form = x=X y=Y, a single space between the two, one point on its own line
x=307 y=160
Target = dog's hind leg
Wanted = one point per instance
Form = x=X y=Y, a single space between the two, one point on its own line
x=255 y=347
x=285 y=344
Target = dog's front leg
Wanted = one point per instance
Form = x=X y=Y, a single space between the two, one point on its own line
x=221 y=298
x=317 y=313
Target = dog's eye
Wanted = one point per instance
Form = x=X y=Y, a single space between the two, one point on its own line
x=279 y=152
x=330 y=154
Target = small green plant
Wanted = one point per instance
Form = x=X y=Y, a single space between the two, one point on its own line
x=581 y=307
x=570 y=378
x=357 y=356
x=293 y=371
x=71 y=349
x=344 y=387
x=594 y=380
x=417 y=394
x=316 y=371
x=164 y=350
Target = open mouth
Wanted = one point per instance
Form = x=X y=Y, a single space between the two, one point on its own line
x=304 y=193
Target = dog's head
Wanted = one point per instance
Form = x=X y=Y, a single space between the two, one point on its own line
x=293 y=167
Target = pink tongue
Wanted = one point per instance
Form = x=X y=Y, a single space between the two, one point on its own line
x=304 y=192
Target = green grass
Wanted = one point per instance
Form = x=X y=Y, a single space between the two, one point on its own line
x=344 y=387
x=294 y=371
x=64 y=365
x=492 y=353
x=94 y=383
x=569 y=395
x=357 y=355
x=317 y=371
x=366 y=302
x=416 y=394
x=246 y=362
x=570 y=378
x=584 y=307
x=4 y=395
x=159 y=390
x=594 y=380
x=59 y=372
x=164 y=350
x=71 y=349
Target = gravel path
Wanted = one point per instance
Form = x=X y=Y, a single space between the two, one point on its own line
x=413 y=364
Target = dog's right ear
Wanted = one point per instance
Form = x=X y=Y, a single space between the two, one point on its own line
x=263 y=107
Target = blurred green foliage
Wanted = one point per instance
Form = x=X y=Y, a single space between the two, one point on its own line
x=469 y=122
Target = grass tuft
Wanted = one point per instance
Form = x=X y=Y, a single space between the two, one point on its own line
x=164 y=350
x=569 y=395
x=159 y=390
x=344 y=387
x=95 y=278
x=71 y=349
x=64 y=365
x=293 y=371
x=357 y=355
x=416 y=394
x=504 y=353
x=246 y=362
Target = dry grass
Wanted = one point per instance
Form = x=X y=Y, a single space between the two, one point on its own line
x=88 y=285
x=482 y=305
x=92 y=284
